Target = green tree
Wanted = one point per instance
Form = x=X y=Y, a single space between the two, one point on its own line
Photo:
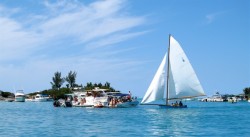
x=7 y=94
x=54 y=93
x=88 y=86
x=57 y=81
x=71 y=78
x=107 y=85
x=246 y=91
x=99 y=85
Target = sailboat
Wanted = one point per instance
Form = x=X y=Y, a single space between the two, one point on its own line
x=175 y=77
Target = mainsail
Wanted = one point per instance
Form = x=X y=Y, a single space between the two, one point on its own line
x=182 y=80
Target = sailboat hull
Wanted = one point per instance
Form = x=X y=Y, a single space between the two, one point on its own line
x=169 y=107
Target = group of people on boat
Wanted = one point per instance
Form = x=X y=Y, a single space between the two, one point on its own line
x=113 y=101
x=81 y=102
x=176 y=104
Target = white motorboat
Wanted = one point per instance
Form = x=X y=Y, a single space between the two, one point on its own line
x=217 y=97
x=98 y=98
x=89 y=98
x=29 y=99
x=95 y=97
x=19 y=96
x=41 y=98
x=90 y=101
x=121 y=100
x=232 y=99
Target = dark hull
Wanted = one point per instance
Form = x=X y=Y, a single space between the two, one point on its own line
x=58 y=103
x=168 y=106
x=128 y=104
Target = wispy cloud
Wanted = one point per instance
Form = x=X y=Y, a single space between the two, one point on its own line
x=8 y=12
x=98 y=22
x=16 y=42
x=210 y=18
x=92 y=22
x=63 y=35
x=110 y=40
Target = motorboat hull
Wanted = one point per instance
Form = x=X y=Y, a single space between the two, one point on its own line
x=62 y=103
x=127 y=104
x=19 y=99
x=40 y=100
x=82 y=105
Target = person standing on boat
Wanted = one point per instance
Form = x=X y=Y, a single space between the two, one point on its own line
x=180 y=104
x=129 y=95
x=176 y=104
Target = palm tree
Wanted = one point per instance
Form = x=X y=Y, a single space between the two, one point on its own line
x=99 y=85
x=88 y=86
x=107 y=85
x=57 y=80
x=71 y=78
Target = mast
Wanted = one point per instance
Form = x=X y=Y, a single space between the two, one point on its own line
x=167 y=97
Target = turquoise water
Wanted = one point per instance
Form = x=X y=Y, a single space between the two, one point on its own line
x=199 y=119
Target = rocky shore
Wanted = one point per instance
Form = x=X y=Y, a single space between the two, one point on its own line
x=6 y=99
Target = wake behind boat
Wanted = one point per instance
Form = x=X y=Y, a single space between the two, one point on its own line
x=175 y=77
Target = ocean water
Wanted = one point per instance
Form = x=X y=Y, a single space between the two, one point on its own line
x=33 y=119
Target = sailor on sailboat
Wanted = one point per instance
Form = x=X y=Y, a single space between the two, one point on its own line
x=175 y=76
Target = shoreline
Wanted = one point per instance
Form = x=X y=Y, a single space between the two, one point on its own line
x=7 y=99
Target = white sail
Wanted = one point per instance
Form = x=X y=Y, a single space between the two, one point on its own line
x=157 y=87
x=183 y=82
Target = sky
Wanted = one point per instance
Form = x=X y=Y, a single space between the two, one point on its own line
x=123 y=42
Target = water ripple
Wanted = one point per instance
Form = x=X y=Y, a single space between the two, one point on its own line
x=200 y=119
